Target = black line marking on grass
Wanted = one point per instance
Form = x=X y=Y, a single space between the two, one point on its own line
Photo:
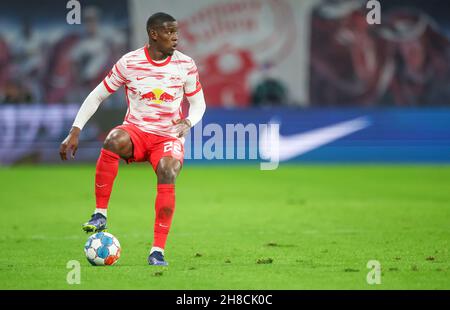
x=275 y=244
x=272 y=244
x=393 y=269
x=264 y=261
x=351 y=270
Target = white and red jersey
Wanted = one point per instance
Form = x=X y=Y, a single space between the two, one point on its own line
x=154 y=90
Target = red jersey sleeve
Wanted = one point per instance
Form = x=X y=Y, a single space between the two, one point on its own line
x=192 y=85
x=117 y=76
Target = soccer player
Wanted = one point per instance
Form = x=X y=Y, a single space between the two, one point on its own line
x=156 y=77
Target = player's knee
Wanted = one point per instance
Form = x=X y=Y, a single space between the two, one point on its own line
x=168 y=171
x=116 y=142
x=167 y=175
x=111 y=144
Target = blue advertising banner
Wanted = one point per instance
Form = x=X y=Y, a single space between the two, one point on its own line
x=345 y=135
x=32 y=133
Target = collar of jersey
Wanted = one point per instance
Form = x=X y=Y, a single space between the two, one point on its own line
x=158 y=64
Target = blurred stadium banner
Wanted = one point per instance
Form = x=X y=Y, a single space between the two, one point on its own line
x=249 y=52
x=31 y=134
x=404 y=61
x=43 y=59
x=369 y=92
x=240 y=46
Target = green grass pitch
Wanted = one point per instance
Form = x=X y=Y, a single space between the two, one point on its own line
x=235 y=227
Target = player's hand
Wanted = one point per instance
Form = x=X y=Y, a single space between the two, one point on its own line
x=70 y=144
x=182 y=126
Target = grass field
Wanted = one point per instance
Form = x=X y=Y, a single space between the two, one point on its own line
x=299 y=227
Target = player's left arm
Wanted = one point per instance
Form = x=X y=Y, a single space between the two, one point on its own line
x=197 y=105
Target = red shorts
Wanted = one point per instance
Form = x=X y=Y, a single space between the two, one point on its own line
x=151 y=147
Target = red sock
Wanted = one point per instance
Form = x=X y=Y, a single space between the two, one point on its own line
x=106 y=171
x=164 y=208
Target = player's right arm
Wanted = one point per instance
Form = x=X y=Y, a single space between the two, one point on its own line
x=109 y=85
x=87 y=109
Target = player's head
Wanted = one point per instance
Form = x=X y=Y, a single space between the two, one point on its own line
x=162 y=32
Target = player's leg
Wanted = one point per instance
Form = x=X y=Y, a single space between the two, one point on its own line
x=116 y=145
x=167 y=172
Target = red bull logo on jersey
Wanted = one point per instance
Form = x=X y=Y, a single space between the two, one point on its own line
x=158 y=96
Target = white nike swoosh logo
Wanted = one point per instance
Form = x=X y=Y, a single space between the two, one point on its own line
x=161 y=225
x=295 y=145
x=100 y=185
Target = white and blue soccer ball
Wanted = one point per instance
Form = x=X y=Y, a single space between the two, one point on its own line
x=102 y=249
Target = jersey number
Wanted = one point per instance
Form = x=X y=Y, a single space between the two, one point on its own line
x=172 y=146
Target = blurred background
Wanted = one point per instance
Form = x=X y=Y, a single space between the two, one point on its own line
x=305 y=64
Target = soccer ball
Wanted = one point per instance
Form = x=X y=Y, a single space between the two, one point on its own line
x=102 y=249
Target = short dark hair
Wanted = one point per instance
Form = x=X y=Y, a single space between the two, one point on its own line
x=157 y=19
